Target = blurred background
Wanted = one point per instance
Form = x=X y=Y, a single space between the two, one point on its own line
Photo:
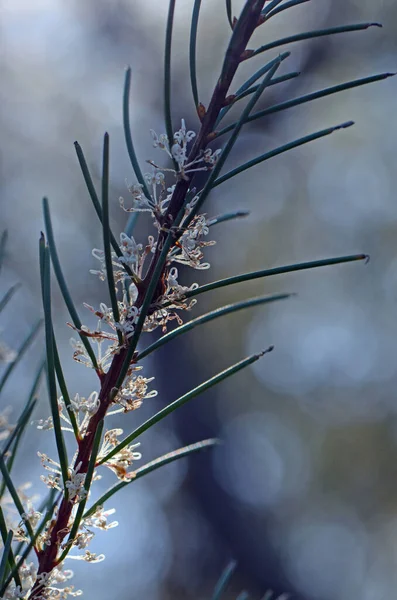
x=303 y=492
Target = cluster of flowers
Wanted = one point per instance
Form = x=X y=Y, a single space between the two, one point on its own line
x=129 y=270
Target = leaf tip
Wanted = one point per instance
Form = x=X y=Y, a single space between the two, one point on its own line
x=344 y=125
x=269 y=349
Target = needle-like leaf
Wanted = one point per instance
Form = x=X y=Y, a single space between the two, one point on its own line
x=28 y=548
x=64 y=390
x=15 y=496
x=3 y=242
x=274 y=271
x=27 y=413
x=252 y=90
x=20 y=427
x=106 y=234
x=284 y=6
x=131 y=223
x=308 y=98
x=229 y=12
x=192 y=50
x=127 y=133
x=20 y=353
x=224 y=580
x=94 y=197
x=155 y=276
x=231 y=141
x=167 y=77
x=62 y=283
x=87 y=485
x=251 y=80
x=52 y=390
x=210 y=316
x=227 y=217
x=280 y=150
x=314 y=34
x=152 y=466
x=8 y=560
x=8 y=295
x=164 y=412
x=272 y=5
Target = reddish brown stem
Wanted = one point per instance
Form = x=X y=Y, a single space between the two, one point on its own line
x=236 y=52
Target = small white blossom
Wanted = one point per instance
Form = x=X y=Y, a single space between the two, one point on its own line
x=75 y=484
x=100 y=519
x=88 y=405
x=90 y=557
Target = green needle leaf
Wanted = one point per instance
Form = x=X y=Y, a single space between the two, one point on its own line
x=253 y=89
x=152 y=466
x=24 y=417
x=52 y=389
x=14 y=495
x=192 y=50
x=167 y=77
x=130 y=226
x=23 y=422
x=242 y=90
x=87 y=485
x=28 y=548
x=203 y=387
x=214 y=314
x=274 y=271
x=6 y=558
x=224 y=580
x=314 y=34
x=285 y=6
x=62 y=283
x=231 y=141
x=308 y=98
x=154 y=278
x=3 y=242
x=280 y=150
x=64 y=390
x=229 y=12
x=106 y=234
x=93 y=195
x=8 y=295
x=272 y=5
x=20 y=427
x=20 y=353
x=127 y=133
x=228 y=217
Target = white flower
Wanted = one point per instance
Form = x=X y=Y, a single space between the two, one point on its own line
x=99 y=519
x=88 y=405
x=90 y=557
x=159 y=141
x=75 y=484
x=183 y=137
x=179 y=154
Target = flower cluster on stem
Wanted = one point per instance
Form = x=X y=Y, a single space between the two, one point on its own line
x=171 y=199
